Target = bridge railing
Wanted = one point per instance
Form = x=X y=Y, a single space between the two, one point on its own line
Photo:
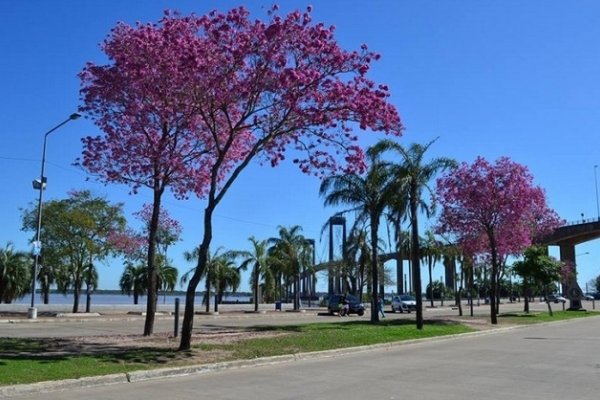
x=582 y=221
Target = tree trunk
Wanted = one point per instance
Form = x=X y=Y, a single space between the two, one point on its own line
x=188 y=315
x=88 y=299
x=416 y=266
x=459 y=302
x=151 y=271
x=255 y=284
x=430 y=283
x=526 y=295
x=374 y=269
x=76 y=294
x=493 y=283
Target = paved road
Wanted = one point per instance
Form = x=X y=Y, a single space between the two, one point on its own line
x=553 y=361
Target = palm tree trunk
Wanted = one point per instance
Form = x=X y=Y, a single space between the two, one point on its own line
x=374 y=268
x=255 y=287
x=430 y=283
x=416 y=266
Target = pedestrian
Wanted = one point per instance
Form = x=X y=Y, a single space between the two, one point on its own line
x=381 y=305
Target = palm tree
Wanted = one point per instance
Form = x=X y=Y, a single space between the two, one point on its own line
x=414 y=175
x=225 y=275
x=395 y=216
x=431 y=252
x=258 y=258
x=358 y=256
x=134 y=281
x=367 y=195
x=166 y=274
x=291 y=252
x=211 y=273
x=15 y=274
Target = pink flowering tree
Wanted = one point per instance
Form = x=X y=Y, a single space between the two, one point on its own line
x=133 y=244
x=190 y=101
x=494 y=210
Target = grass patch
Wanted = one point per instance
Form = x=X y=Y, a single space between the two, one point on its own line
x=539 y=317
x=34 y=360
x=316 y=337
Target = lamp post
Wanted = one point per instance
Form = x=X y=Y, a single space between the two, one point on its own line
x=37 y=244
x=596 y=182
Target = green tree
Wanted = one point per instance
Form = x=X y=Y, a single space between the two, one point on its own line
x=431 y=253
x=225 y=276
x=15 y=273
x=368 y=196
x=258 y=258
x=134 y=280
x=75 y=233
x=166 y=274
x=413 y=175
x=537 y=268
x=291 y=252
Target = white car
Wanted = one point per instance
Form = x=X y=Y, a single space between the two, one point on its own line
x=556 y=298
x=404 y=302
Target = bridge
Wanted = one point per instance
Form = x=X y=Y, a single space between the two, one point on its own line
x=566 y=238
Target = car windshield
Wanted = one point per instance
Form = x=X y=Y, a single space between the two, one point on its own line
x=352 y=299
x=407 y=297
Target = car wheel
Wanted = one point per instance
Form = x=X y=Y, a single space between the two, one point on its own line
x=360 y=313
x=401 y=310
x=408 y=311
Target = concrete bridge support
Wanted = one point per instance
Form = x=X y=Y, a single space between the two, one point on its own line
x=570 y=287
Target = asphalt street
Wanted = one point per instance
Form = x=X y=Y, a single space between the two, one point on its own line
x=551 y=361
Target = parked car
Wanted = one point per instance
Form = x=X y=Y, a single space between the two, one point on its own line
x=354 y=304
x=588 y=296
x=556 y=298
x=404 y=302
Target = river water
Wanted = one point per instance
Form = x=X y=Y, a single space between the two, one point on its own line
x=122 y=299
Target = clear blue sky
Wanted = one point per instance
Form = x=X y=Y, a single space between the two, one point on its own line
x=505 y=78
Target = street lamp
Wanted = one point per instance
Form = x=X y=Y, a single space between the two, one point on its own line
x=596 y=182
x=40 y=184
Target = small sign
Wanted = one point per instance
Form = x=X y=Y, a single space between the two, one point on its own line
x=37 y=247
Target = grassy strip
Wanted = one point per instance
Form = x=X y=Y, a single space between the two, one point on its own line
x=30 y=360
x=539 y=317
x=316 y=337
x=35 y=360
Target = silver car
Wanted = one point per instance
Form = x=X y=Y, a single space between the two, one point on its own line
x=404 y=302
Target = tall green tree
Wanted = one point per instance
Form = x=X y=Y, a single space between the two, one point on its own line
x=537 y=268
x=413 y=174
x=291 y=252
x=257 y=257
x=134 y=280
x=431 y=253
x=75 y=233
x=225 y=276
x=15 y=273
x=368 y=195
